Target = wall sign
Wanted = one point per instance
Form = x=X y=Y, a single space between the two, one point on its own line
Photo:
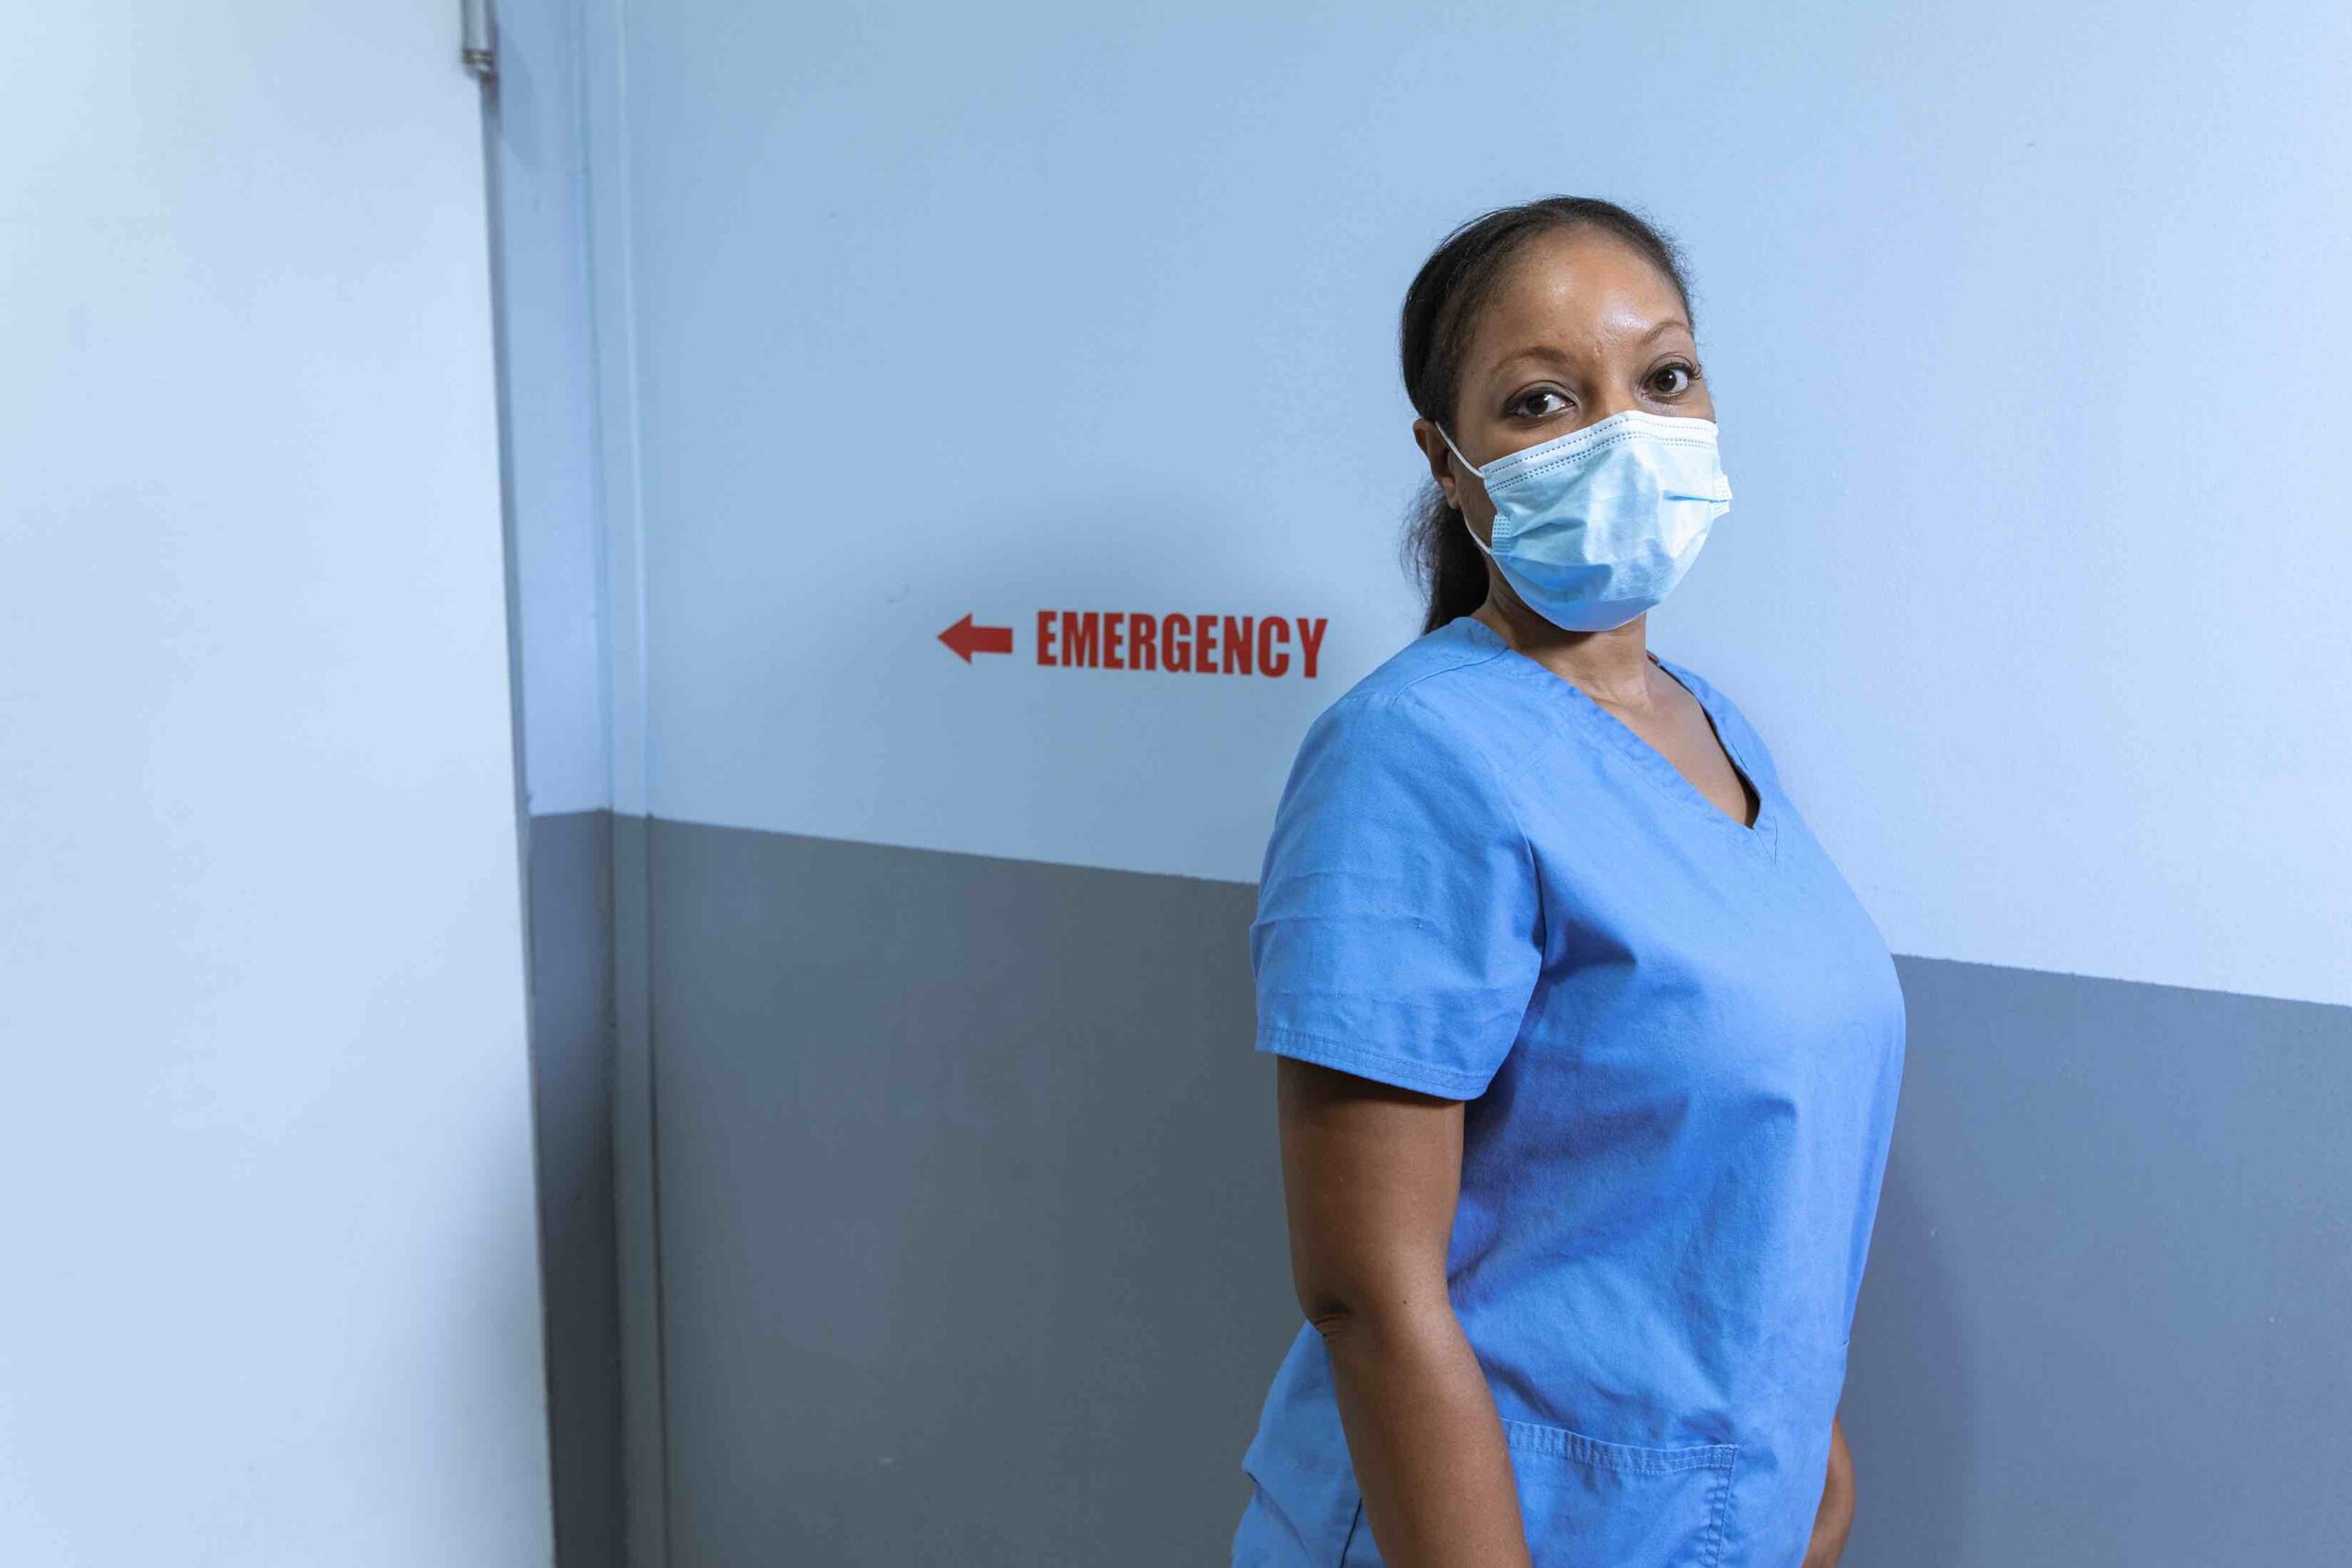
x=1180 y=644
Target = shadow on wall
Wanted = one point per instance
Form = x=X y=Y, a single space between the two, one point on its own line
x=569 y=863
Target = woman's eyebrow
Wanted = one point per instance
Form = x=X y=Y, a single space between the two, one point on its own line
x=1559 y=356
x=1536 y=351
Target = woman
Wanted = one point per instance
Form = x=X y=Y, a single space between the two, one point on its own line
x=1588 y=1054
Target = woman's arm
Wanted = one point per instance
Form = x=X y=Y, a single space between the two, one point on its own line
x=1835 y=1515
x=1370 y=1173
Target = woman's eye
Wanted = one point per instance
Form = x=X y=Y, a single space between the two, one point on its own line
x=1532 y=404
x=1678 y=388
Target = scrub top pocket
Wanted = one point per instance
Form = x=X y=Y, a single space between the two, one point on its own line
x=1589 y=1504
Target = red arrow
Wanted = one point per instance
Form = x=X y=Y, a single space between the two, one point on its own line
x=968 y=639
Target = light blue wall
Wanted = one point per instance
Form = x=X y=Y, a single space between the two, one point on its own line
x=2018 y=320
x=539 y=158
x=266 y=1182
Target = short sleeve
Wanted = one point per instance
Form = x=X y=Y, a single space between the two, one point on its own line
x=1397 y=934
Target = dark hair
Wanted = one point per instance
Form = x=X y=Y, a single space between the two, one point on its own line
x=1440 y=309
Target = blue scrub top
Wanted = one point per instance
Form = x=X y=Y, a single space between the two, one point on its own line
x=1681 y=1038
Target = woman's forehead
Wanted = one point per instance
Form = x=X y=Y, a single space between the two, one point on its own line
x=1570 y=293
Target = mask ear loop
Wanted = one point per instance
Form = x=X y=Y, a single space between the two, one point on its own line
x=1466 y=463
x=1456 y=450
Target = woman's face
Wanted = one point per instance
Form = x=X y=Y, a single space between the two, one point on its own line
x=1580 y=327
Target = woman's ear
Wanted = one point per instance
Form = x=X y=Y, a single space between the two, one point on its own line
x=1439 y=459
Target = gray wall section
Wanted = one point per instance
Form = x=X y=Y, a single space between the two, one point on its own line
x=2107 y=1317
x=971 y=1235
x=973 y=1253
x=569 y=872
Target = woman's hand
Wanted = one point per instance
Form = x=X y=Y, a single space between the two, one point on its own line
x=1836 y=1514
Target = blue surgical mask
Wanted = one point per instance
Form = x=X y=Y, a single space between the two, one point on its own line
x=1593 y=527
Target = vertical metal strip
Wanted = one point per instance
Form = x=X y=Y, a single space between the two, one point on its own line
x=494 y=192
x=603 y=80
x=477 y=38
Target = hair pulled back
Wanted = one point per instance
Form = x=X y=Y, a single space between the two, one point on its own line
x=1441 y=308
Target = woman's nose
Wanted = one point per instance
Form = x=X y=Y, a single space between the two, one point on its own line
x=1608 y=404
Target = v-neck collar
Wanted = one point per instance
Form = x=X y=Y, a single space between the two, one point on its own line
x=1763 y=837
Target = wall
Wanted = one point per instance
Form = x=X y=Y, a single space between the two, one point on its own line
x=967 y=1220
x=265 y=1144
x=950 y=312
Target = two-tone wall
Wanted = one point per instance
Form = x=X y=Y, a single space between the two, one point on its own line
x=949 y=1222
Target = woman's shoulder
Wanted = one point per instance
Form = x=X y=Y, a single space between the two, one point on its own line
x=1421 y=702
x=1421 y=666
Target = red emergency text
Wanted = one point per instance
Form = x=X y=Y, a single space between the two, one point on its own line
x=1196 y=645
